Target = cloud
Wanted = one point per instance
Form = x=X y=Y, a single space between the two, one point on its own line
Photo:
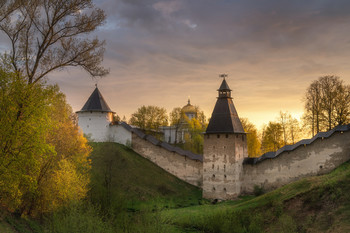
x=159 y=52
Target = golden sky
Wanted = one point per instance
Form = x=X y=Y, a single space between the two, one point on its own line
x=161 y=52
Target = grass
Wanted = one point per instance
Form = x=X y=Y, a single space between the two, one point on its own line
x=134 y=182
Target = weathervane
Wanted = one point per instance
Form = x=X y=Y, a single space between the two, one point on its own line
x=223 y=76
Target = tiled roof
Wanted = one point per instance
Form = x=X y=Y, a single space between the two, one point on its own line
x=287 y=148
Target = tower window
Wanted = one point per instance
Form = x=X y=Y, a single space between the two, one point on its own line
x=213 y=188
x=213 y=156
x=225 y=189
x=212 y=166
x=218 y=136
x=225 y=176
x=224 y=167
x=226 y=135
x=213 y=175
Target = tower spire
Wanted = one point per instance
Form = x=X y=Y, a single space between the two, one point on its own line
x=224 y=118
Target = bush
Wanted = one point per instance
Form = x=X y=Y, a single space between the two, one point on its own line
x=258 y=190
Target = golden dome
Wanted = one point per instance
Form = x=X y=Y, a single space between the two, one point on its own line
x=189 y=108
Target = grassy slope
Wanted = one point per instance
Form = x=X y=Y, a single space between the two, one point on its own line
x=315 y=204
x=136 y=180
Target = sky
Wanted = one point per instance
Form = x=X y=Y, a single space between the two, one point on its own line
x=161 y=52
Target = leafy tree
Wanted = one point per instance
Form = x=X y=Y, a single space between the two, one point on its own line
x=43 y=156
x=176 y=120
x=194 y=136
x=272 y=137
x=253 y=142
x=149 y=117
x=50 y=35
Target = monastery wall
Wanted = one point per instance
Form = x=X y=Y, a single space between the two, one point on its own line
x=178 y=164
x=320 y=156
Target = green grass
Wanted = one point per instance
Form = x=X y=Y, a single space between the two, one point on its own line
x=134 y=182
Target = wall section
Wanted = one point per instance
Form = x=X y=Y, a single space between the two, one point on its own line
x=180 y=166
x=320 y=157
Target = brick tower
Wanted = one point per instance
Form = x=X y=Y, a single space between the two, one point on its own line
x=225 y=147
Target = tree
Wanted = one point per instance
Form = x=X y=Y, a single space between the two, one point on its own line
x=313 y=107
x=327 y=103
x=43 y=156
x=176 y=119
x=253 y=142
x=272 y=137
x=194 y=135
x=149 y=117
x=50 y=35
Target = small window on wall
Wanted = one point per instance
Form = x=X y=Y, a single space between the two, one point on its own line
x=212 y=166
x=218 y=136
x=213 y=188
x=225 y=176
x=213 y=175
x=225 y=189
x=226 y=135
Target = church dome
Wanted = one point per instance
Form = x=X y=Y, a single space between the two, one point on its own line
x=188 y=108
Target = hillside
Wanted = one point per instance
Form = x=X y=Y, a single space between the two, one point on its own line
x=121 y=175
x=315 y=204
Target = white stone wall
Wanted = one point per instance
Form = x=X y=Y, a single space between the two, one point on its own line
x=119 y=134
x=95 y=125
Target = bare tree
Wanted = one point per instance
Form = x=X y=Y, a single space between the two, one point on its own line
x=327 y=103
x=48 y=35
x=313 y=106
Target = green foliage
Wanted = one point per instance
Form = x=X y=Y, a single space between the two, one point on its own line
x=272 y=137
x=149 y=117
x=43 y=156
x=258 y=190
x=253 y=142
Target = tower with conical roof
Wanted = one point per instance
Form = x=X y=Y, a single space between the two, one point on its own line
x=225 y=147
x=95 y=117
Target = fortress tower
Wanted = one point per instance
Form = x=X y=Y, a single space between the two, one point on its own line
x=225 y=147
x=95 y=117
